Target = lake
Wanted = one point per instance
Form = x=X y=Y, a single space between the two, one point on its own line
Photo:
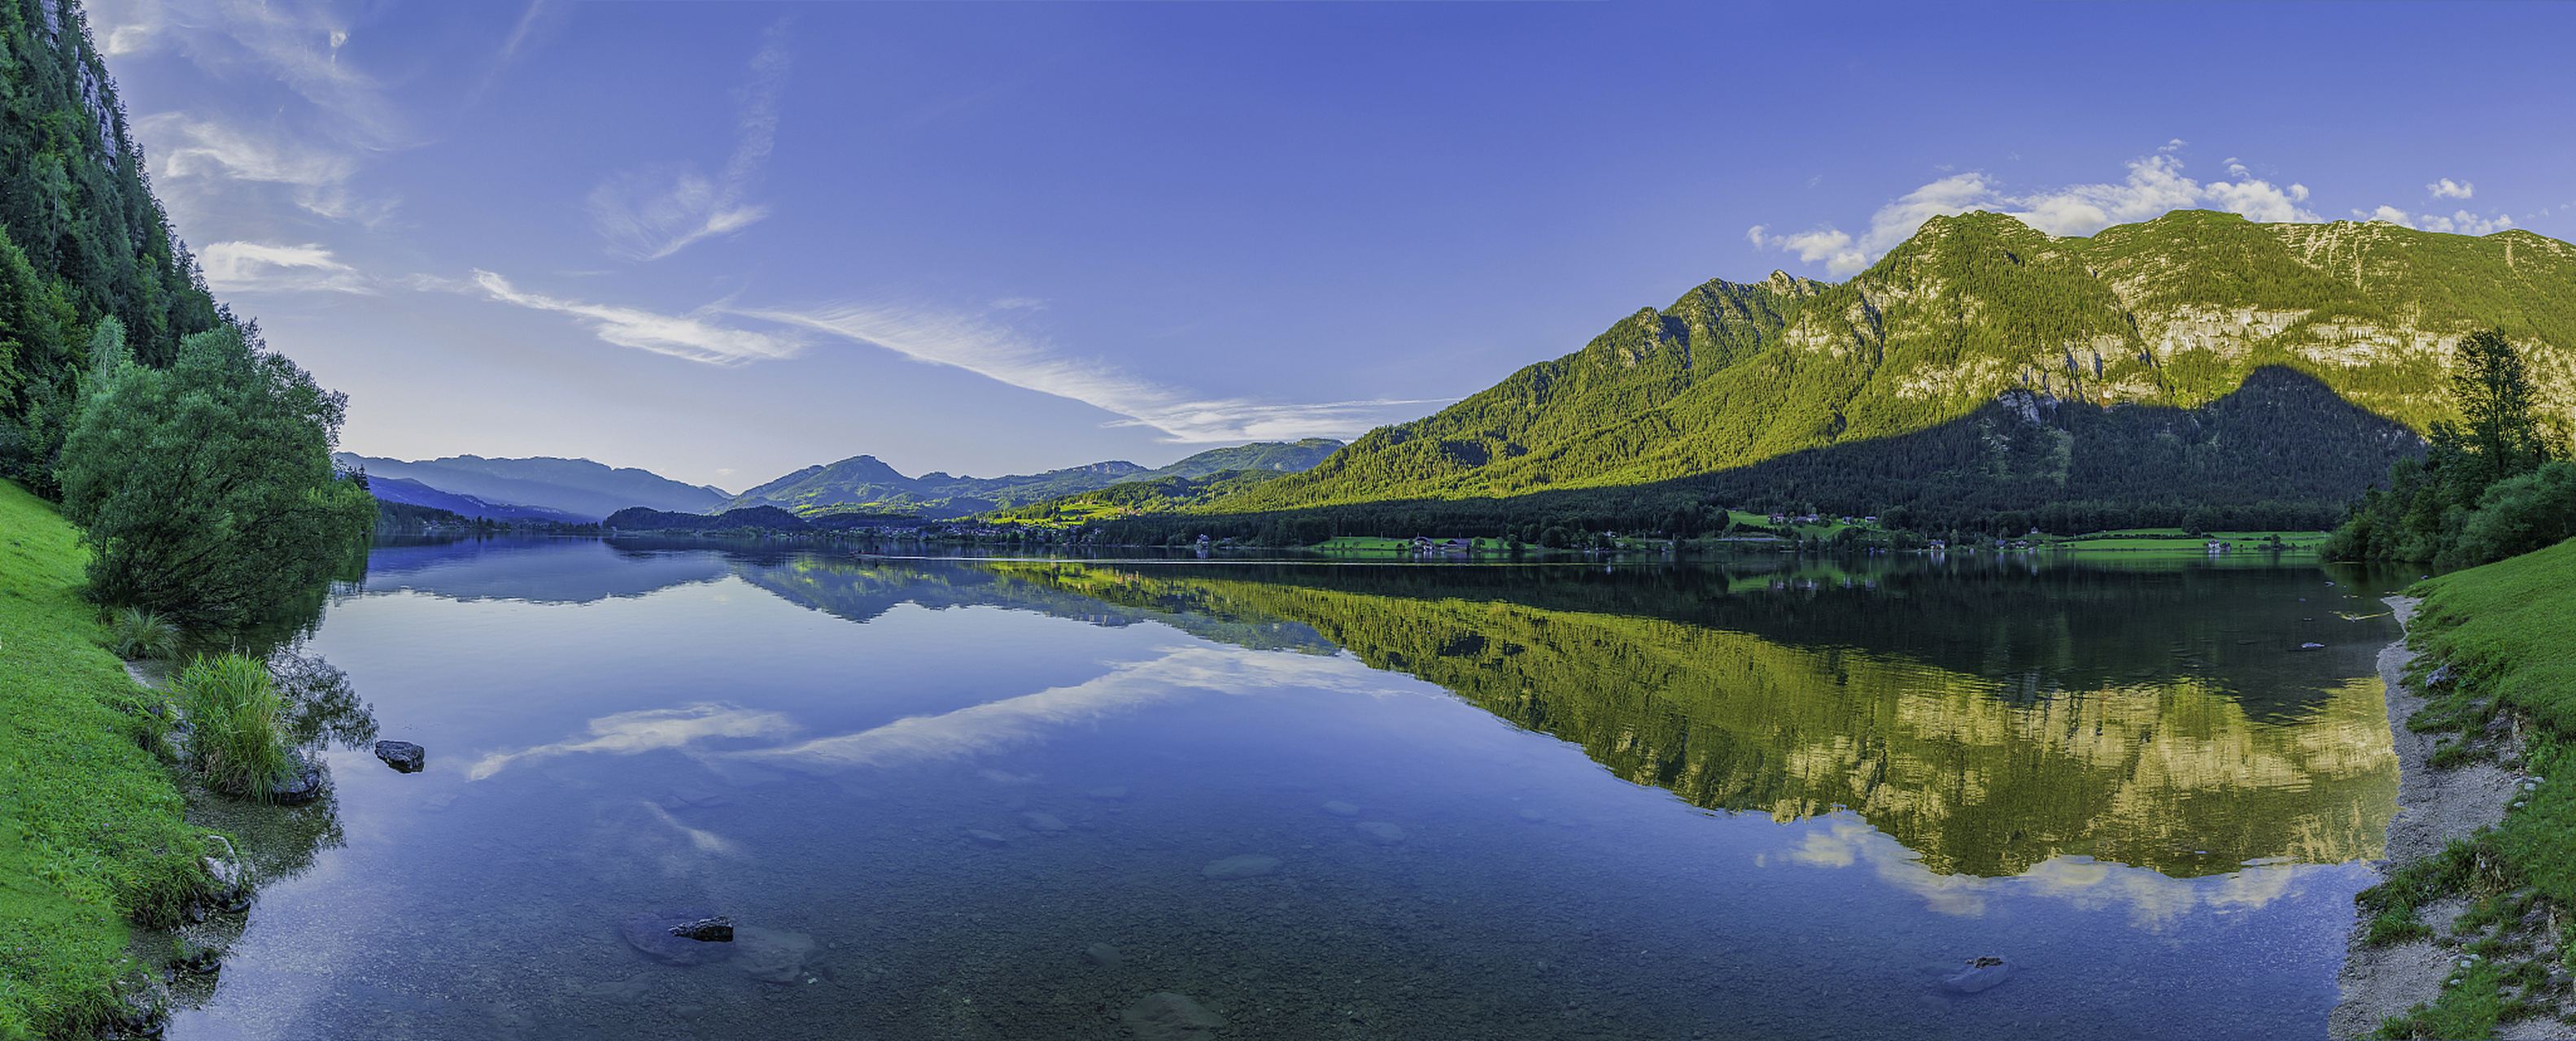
x=1754 y=798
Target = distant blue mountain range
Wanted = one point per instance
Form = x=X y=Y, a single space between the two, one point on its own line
x=411 y=492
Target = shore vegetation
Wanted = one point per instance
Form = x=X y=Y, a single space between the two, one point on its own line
x=2496 y=655
x=91 y=829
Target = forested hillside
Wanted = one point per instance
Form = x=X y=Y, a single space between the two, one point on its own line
x=1978 y=316
x=81 y=237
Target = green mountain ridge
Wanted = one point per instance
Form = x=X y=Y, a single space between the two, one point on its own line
x=1974 y=312
x=866 y=484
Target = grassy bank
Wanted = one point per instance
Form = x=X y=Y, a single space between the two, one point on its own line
x=91 y=833
x=2496 y=656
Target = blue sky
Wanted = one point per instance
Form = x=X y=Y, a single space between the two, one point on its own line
x=722 y=241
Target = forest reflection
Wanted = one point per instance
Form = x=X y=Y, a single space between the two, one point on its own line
x=1987 y=720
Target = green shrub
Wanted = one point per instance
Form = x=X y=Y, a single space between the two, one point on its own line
x=237 y=734
x=133 y=633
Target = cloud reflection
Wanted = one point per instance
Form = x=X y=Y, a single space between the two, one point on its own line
x=626 y=733
x=2153 y=899
x=994 y=726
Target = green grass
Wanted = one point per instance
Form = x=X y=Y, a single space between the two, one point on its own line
x=2507 y=634
x=237 y=738
x=135 y=633
x=91 y=833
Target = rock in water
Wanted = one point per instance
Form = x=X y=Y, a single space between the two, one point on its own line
x=1045 y=823
x=301 y=784
x=775 y=956
x=1244 y=865
x=651 y=933
x=716 y=929
x=1339 y=808
x=403 y=756
x=1382 y=833
x=1165 y=1016
x=1981 y=974
x=1103 y=955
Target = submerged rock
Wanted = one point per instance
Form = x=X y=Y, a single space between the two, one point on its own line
x=1165 y=1016
x=1103 y=955
x=652 y=933
x=1244 y=865
x=403 y=756
x=1383 y=833
x=775 y=955
x=987 y=838
x=712 y=929
x=1981 y=974
x=1339 y=808
x=1047 y=823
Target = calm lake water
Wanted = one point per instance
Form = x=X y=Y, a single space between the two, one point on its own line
x=1019 y=799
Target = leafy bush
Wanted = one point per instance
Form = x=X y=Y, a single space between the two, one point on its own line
x=2517 y=515
x=238 y=738
x=206 y=489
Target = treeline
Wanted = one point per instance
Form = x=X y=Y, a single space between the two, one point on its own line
x=195 y=461
x=753 y=518
x=2283 y=452
x=2496 y=485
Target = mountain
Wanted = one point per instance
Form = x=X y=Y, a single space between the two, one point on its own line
x=1283 y=456
x=865 y=482
x=413 y=493
x=577 y=488
x=1980 y=325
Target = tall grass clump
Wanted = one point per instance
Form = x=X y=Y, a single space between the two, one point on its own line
x=236 y=719
x=133 y=633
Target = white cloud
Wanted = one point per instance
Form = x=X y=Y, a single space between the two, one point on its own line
x=2446 y=189
x=627 y=733
x=206 y=148
x=2155 y=186
x=316 y=147
x=1000 y=353
x=234 y=267
x=659 y=210
x=688 y=336
x=1000 y=725
x=2460 y=222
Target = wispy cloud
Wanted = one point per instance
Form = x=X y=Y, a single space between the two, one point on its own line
x=693 y=336
x=1001 y=353
x=316 y=148
x=2155 y=185
x=659 y=210
x=236 y=267
x=627 y=733
x=1030 y=718
x=2460 y=222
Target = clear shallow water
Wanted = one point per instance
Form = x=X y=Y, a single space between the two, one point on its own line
x=1638 y=802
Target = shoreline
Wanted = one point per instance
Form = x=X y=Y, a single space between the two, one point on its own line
x=2434 y=807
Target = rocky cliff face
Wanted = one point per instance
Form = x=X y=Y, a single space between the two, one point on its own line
x=2174 y=312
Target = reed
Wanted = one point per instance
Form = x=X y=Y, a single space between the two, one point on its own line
x=236 y=719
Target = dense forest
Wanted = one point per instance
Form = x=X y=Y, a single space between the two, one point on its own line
x=2251 y=460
